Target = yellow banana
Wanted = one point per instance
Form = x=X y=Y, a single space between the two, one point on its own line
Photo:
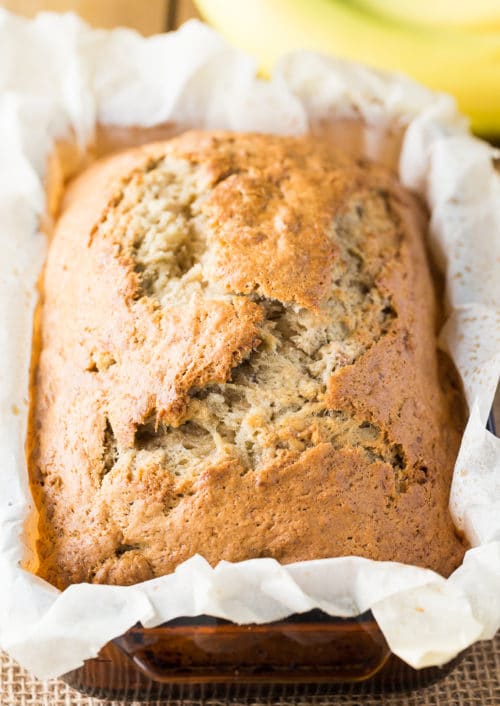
x=481 y=15
x=462 y=61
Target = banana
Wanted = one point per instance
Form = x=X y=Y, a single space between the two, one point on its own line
x=480 y=14
x=463 y=62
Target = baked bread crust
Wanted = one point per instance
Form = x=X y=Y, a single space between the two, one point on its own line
x=238 y=359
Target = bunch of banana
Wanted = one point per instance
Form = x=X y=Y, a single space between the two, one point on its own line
x=449 y=45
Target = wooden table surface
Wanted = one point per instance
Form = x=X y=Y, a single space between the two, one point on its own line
x=147 y=16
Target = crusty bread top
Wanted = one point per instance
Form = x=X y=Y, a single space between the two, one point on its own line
x=238 y=358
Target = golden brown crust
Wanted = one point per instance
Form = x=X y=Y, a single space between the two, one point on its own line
x=238 y=358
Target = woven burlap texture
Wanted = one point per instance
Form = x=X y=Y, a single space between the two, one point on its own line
x=474 y=682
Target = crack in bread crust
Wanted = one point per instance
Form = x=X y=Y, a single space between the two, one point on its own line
x=251 y=317
x=273 y=406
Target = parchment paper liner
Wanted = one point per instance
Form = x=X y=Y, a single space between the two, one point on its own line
x=58 y=79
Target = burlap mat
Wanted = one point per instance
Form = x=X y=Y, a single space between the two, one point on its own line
x=475 y=682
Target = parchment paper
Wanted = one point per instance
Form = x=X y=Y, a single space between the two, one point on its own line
x=58 y=77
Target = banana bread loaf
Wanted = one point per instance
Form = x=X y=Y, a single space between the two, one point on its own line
x=237 y=358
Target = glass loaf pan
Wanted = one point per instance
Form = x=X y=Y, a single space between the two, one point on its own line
x=195 y=658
